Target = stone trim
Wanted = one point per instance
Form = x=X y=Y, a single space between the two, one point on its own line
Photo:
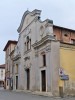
x=22 y=21
x=18 y=56
x=47 y=38
x=67 y=46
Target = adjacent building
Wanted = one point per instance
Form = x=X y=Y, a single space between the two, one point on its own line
x=9 y=49
x=67 y=69
x=64 y=34
x=42 y=57
x=2 y=75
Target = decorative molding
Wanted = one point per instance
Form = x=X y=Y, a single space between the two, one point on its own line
x=27 y=58
x=27 y=51
x=47 y=38
x=48 y=48
x=27 y=67
x=18 y=56
x=24 y=16
x=22 y=21
x=29 y=24
x=36 y=54
x=43 y=52
x=42 y=66
x=67 y=46
x=36 y=11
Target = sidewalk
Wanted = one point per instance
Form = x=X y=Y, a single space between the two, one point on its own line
x=46 y=94
x=36 y=92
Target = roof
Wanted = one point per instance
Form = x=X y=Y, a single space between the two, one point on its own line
x=2 y=66
x=8 y=43
x=63 y=28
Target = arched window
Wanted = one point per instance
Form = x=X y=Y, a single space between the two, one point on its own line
x=44 y=59
x=28 y=44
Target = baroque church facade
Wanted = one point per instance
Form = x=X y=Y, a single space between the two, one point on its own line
x=34 y=53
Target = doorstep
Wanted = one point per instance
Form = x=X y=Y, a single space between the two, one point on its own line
x=43 y=93
x=36 y=92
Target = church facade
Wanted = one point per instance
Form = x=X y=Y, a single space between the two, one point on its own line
x=35 y=56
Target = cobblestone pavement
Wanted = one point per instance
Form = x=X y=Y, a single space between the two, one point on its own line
x=11 y=95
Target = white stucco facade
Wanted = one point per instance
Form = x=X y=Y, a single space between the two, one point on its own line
x=36 y=55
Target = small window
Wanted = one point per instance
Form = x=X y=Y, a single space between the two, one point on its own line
x=66 y=35
x=17 y=68
x=73 y=41
x=54 y=35
x=1 y=73
x=27 y=38
x=30 y=43
x=44 y=60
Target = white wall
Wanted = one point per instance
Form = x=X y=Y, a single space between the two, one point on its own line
x=2 y=74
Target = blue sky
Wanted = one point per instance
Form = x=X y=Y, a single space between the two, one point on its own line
x=60 y=11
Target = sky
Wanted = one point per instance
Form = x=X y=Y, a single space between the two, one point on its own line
x=62 y=12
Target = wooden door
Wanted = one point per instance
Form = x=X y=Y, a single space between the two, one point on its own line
x=16 y=82
x=28 y=78
x=43 y=80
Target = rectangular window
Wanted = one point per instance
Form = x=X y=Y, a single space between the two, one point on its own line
x=1 y=73
x=73 y=41
x=25 y=46
x=44 y=60
x=17 y=68
x=28 y=45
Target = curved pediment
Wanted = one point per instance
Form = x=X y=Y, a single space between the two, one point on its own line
x=23 y=18
x=27 y=18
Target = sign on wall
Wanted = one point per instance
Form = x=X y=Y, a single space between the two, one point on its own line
x=64 y=77
x=61 y=72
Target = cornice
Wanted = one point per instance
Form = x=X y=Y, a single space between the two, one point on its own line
x=67 y=46
x=45 y=39
x=18 y=56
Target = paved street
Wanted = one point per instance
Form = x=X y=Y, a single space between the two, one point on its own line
x=10 y=95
